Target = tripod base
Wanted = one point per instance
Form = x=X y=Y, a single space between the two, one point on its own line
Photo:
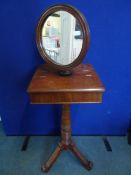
x=66 y=143
x=86 y=163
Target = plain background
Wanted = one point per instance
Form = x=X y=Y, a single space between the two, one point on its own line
x=109 y=53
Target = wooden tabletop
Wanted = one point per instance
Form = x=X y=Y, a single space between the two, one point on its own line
x=84 y=78
x=48 y=83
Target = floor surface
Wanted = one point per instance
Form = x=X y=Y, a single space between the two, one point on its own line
x=13 y=161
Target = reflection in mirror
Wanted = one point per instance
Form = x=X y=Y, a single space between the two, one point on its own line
x=62 y=37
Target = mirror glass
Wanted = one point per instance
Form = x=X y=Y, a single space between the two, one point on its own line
x=62 y=37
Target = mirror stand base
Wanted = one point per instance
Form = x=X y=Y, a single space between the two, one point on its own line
x=65 y=72
x=66 y=143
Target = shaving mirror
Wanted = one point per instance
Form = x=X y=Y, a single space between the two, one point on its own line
x=62 y=38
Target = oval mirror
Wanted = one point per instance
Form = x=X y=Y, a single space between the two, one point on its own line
x=62 y=37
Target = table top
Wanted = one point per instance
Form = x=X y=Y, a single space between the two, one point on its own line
x=83 y=79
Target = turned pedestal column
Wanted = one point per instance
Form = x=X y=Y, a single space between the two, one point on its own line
x=47 y=87
x=66 y=142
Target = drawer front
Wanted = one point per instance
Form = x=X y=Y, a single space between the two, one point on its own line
x=65 y=97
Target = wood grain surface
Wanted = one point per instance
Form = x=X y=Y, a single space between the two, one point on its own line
x=83 y=86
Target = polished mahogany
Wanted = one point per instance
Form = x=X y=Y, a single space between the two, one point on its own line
x=47 y=87
x=84 y=86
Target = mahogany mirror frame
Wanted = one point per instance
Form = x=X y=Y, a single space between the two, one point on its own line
x=86 y=36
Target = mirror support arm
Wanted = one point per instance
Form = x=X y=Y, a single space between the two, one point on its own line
x=65 y=72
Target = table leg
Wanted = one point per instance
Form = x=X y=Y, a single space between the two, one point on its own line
x=86 y=163
x=52 y=159
x=66 y=142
